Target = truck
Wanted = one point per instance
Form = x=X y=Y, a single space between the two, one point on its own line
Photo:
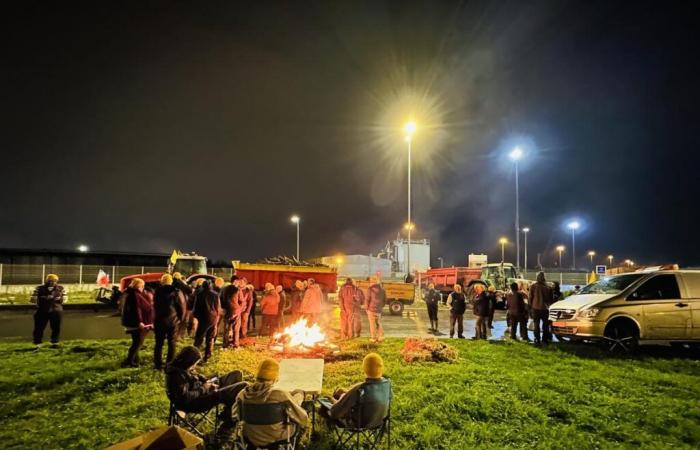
x=398 y=294
x=498 y=275
x=191 y=266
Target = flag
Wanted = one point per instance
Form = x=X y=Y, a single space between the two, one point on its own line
x=102 y=278
x=173 y=257
x=592 y=278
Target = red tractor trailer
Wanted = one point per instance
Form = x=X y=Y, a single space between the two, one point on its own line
x=286 y=275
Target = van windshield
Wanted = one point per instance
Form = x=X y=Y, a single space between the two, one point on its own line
x=611 y=285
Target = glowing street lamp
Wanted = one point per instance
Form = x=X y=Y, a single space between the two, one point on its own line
x=503 y=241
x=409 y=129
x=526 y=230
x=591 y=254
x=560 y=249
x=573 y=226
x=295 y=219
x=442 y=261
x=82 y=248
x=610 y=259
x=515 y=156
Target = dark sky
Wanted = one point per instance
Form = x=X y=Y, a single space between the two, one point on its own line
x=147 y=127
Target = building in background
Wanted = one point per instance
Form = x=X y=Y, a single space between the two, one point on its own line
x=397 y=249
x=359 y=266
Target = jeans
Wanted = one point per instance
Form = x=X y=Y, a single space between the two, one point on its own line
x=459 y=319
x=541 y=315
x=481 y=325
x=206 y=332
x=41 y=319
x=516 y=320
x=376 y=332
x=137 y=338
x=168 y=333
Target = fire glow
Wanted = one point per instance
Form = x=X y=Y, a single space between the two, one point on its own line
x=303 y=338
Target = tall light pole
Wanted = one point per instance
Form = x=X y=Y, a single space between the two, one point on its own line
x=560 y=249
x=591 y=254
x=295 y=219
x=409 y=128
x=573 y=226
x=515 y=155
x=526 y=230
x=610 y=258
x=441 y=261
x=503 y=241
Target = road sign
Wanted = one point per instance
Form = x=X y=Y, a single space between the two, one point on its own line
x=600 y=270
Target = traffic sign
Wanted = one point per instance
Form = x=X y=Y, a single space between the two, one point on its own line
x=600 y=270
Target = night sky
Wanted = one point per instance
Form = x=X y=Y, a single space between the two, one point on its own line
x=146 y=127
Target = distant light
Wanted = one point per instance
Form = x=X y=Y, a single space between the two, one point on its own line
x=339 y=260
x=295 y=219
x=503 y=241
x=573 y=225
x=409 y=128
x=610 y=257
x=560 y=248
x=526 y=230
x=83 y=248
x=409 y=226
x=591 y=253
x=516 y=154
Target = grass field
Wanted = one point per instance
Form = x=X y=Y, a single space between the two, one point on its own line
x=498 y=395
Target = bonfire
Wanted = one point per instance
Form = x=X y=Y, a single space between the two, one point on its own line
x=300 y=337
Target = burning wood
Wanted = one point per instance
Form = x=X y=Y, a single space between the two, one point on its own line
x=299 y=337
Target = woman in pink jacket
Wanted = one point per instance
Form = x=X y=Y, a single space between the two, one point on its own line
x=311 y=304
x=269 y=306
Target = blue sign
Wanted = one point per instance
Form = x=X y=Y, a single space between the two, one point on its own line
x=600 y=270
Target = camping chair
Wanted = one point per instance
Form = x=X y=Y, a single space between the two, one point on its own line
x=195 y=421
x=266 y=414
x=370 y=419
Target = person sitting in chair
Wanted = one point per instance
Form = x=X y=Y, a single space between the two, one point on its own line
x=266 y=431
x=192 y=392
x=343 y=408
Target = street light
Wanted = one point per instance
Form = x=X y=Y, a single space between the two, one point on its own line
x=573 y=226
x=409 y=128
x=526 y=230
x=295 y=219
x=591 y=254
x=515 y=156
x=610 y=258
x=503 y=241
x=560 y=249
x=82 y=248
x=441 y=261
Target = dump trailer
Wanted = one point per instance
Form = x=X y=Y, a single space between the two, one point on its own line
x=398 y=294
x=286 y=275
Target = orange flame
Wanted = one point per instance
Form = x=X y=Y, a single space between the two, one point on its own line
x=301 y=334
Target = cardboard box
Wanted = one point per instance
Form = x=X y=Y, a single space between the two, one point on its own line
x=167 y=438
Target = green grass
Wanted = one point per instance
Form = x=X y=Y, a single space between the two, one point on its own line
x=73 y=297
x=499 y=395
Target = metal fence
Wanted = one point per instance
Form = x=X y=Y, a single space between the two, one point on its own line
x=12 y=274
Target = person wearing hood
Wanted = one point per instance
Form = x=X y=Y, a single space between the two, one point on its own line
x=49 y=309
x=262 y=392
x=341 y=408
x=231 y=311
x=349 y=299
x=458 y=304
x=432 y=300
x=206 y=312
x=137 y=319
x=169 y=306
x=312 y=301
x=541 y=297
x=269 y=306
x=297 y=299
x=191 y=392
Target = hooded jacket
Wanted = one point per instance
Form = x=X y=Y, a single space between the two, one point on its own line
x=169 y=306
x=311 y=304
x=264 y=392
x=269 y=305
x=541 y=295
x=376 y=297
x=49 y=298
x=184 y=385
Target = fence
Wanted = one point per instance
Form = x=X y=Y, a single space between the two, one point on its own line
x=12 y=274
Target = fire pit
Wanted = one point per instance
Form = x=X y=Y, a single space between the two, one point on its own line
x=303 y=339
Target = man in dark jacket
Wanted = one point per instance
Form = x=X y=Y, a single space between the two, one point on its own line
x=481 y=311
x=192 y=392
x=49 y=309
x=137 y=318
x=374 y=304
x=458 y=304
x=541 y=296
x=206 y=311
x=228 y=293
x=186 y=289
x=517 y=312
x=169 y=306
x=432 y=299
x=348 y=297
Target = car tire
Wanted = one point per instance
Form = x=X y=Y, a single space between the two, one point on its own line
x=622 y=337
x=396 y=308
x=561 y=338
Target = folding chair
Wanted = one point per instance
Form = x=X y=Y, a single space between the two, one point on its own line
x=266 y=414
x=197 y=422
x=371 y=419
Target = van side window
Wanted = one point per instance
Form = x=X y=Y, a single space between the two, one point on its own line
x=658 y=288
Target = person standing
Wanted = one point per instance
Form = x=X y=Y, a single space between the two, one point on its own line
x=230 y=312
x=458 y=304
x=374 y=304
x=357 y=311
x=541 y=296
x=491 y=294
x=49 y=309
x=297 y=299
x=186 y=289
x=247 y=301
x=206 y=311
x=269 y=307
x=517 y=312
x=282 y=307
x=432 y=300
x=481 y=310
x=311 y=303
x=251 y=323
x=137 y=319
x=347 y=299
x=169 y=306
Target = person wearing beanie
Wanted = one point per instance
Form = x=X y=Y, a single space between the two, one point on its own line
x=263 y=391
x=206 y=311
x=341 y=411
x=269 y=307
x=49 y=298
x=349 y=299
x=192 y=392
x=169 y=305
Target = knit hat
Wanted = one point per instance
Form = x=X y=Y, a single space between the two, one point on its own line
x=177 y=276
x=268 y=370
x=373 y=365
x=166 y=279
x=52 y=277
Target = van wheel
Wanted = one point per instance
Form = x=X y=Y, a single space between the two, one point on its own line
x=622 y=336
x=396 y=308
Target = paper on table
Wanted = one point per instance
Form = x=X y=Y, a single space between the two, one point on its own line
x=304 y=374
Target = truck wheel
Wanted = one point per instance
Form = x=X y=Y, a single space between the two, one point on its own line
x=396 y=308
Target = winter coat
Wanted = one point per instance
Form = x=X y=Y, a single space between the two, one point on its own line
x=349 y=298
x=136 y=309
x=481 y=304
x=344 y=410
x=49 y=298
x=185 y=387
x=515 y=302
x=206 y=307
x=241 y=302
x=541 y=295
x=227 y=296
x=433 y=297
x=265 y=392
x=457 y=302
x=376 y=298
x=297 y=299
x=169 y=306
x=270 y=303
x=313 y=298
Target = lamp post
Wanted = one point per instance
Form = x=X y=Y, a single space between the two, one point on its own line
x=560 y=249
x=295 y=219
x=409 y=128
x=515 y=156
x=441 y=261
x=526 y=230
x=503 y=241
x=573 y=226
x=591 y=254
x=610 y=259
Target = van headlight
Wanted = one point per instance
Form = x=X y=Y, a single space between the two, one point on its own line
x=588 y=313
